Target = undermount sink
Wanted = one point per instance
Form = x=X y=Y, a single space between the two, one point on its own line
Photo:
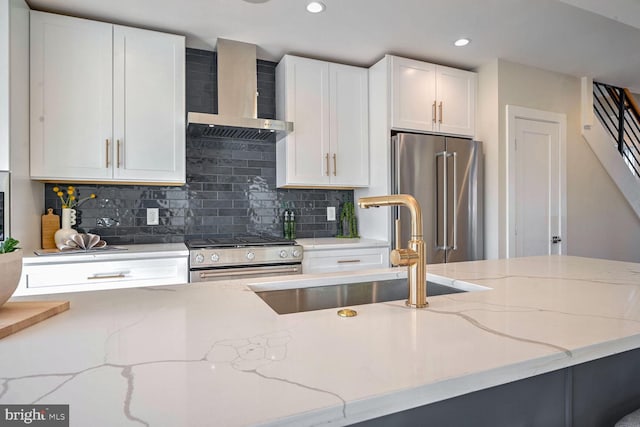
x=285 y=301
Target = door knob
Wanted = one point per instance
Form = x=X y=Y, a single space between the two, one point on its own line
x=556 y=239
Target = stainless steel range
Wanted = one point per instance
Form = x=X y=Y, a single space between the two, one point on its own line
x=243 y=257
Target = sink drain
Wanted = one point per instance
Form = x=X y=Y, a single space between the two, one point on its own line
x=347 y=312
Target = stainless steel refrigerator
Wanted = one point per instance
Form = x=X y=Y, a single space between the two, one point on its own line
x=445 y=175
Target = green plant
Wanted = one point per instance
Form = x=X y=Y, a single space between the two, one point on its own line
x=348 y=222
x=9 y=245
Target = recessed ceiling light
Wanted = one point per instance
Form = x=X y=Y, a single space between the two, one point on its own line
x=462 y=42
x=315 y=7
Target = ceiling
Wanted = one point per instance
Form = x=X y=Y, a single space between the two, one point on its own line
x=595 y=38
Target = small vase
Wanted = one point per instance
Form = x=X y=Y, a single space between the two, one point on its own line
x=62 y=235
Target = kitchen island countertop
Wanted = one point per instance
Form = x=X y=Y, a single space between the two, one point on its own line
x=216 y=354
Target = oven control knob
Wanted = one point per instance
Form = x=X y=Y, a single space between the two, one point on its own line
x=283 y=254
x=295 y=253
x=250 y=256
x=199 y=258
x=215 y=257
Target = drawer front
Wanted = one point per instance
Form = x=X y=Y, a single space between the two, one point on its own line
x=108 y=274
x=345 y=260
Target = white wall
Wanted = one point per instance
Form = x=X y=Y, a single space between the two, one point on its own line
x=600 y=223
x=487 y=132
x=4 y=87
x=27 y=199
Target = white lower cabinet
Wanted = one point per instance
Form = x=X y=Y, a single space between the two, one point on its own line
x=58 y=277
x=335 y=260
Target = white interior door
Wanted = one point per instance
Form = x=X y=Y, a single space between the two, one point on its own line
x=537 y=199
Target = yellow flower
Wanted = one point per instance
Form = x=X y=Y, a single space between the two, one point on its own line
x=70 y=200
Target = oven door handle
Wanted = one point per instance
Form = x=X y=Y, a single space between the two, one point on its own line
x=246 y=271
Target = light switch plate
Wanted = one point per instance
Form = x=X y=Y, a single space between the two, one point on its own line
x=331 y=213
x=153 y=216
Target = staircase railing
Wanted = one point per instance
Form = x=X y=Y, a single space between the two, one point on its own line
x=617 y=110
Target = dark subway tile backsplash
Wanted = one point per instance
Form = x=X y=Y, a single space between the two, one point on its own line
x=230 y=189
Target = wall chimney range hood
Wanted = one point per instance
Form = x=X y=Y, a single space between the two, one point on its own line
x=237 y=99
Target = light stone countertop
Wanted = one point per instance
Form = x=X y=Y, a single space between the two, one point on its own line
x=329 y=243
x=216 y=354
x=145 y=251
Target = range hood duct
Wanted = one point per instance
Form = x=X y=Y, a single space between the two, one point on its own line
x=237 y=99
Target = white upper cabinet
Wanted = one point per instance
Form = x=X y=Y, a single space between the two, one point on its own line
x=71 y=97
x=413 y=101
x=456 y=96
x=432 y=98
x=328 y=105
x=107 y=102
x=302 y=97
x=149 y=126
x=349 y=125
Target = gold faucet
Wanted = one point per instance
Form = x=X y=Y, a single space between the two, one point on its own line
x=414 y=257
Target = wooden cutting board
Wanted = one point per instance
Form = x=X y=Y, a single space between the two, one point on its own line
x=50 y=224
x=15 y=316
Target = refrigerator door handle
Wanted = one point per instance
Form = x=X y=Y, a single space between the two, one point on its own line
x=444 y=156
x=455 y=201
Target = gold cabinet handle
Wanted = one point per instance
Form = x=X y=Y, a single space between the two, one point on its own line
x=335 y=164
x=348 y=261
x=118 y=152
x=107 y=151
x=433 y=112
x=326 y=158
x=440 y=107
x=106 y=276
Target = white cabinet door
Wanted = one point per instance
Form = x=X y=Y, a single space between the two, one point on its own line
x=304 y=154
x=456 y=97
x=349 y=125
x=71 y=97
x=149 y=126
x=328 y=105
x=413 y=94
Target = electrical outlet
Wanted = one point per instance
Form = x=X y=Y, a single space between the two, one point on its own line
x=153 y=216
x=331 y=213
